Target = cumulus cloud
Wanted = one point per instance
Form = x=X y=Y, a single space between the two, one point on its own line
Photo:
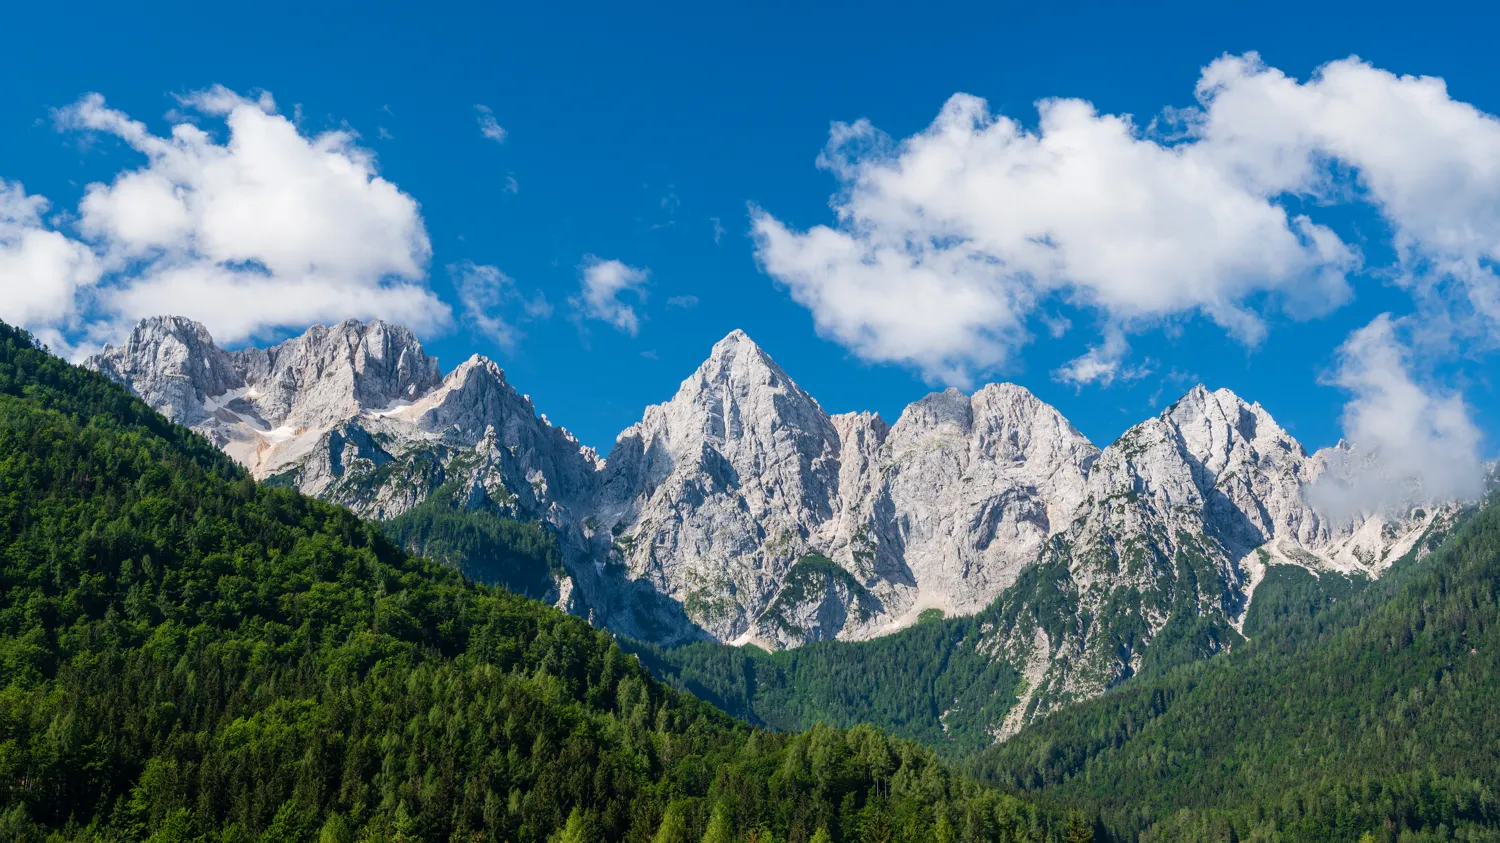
x=602 y=284
x=492 y=303
x=41 y=270
x=266 y=228
x=1425 y=160
x=946 y=243
x=1412 y=444
x=488 y=126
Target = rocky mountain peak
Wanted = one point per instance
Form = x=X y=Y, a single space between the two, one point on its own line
x=1004 y=421
x=1219 y=429
x=173 y=364
x=480 y=372
x=735 y=345
x=739 y=397
x=863 y=420
x=733 y=340
x=740 y=510
x=951 y=408
x=331 y=373
x=736 y=363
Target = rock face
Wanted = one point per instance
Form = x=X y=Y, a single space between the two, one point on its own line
x=718 y=492
x=978 y=485
x=172 y=364
x=741 y=511
x=771 y=521
x=1180 y=520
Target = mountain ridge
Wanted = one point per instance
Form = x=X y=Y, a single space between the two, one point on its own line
x=739 y=510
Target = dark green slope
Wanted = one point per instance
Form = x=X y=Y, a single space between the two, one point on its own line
x=481 y=544
x=1379 y=714
x=185 y=655
x=928 y=683
x=936 y=682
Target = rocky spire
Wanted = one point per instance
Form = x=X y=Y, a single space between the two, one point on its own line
x=173 y=364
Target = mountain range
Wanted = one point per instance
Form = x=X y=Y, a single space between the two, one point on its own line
x=740 y=511
x=189 y=655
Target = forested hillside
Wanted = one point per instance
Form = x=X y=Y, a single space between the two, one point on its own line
x=936 y=683
x=187 y=656
x=483 y=545
x=927 y=683
x=1378 y=715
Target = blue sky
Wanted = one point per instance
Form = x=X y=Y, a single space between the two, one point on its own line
x=646 y=135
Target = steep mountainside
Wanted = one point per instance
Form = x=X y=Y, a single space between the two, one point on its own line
x=356 y=414
x=935 y=682
x=1372 y=716
x=1182 y=517
x=186 y=655
x=741 y=511
x=735 y=496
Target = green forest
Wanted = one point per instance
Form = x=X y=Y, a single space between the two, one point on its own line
x=903 y=682
x=483 y=545
x=188 y=656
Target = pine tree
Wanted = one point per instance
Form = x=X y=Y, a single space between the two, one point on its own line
x=336 y=830
x=1077 y=830
x=580 y=829
x=720 y=825
x=674 y=827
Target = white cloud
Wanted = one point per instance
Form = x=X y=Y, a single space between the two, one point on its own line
x=486 y=293
x=682 y=301
x=602 y=283
x=1424 y=159
x=947 y=242
x=268 y=228
x=1102 y=364
x=488 y=126
x=1412 y=444
x=41 y=270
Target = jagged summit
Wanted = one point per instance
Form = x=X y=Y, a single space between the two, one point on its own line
x=736 y=343
x=738 y=363
x=734 y=338
x=173 y=364
x=332 y=409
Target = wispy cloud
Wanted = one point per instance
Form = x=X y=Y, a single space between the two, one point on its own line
x=1102 y=364
x=488 y=125
x=493 y=304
